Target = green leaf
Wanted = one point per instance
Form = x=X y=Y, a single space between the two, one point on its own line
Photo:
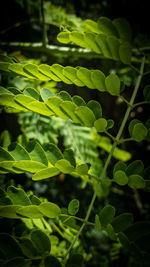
x=132 y=124
x=5 y=155
x=9 y=100
x=123 y=28
x=23 y=100
x=136 y=181
x=110 y=124
x=18 y=152
x=73 y=206
x=135 y=167
x=106 y=215
x=120 y=177
x=146 y=93
x=138 y=230
x=113 y=84
x=29 y=91
x=122 y=222
x=111 y=233
x=46 y=70
x=28 y=166
x=51 y=261
x=82 y=169
x=18 y=68
x=97 y=223
x=31 y=211
x=124 y=240
x=9 y=211
x=79 y=101
x=91 y=25
x=5 y=139
x=64 y=166
x=98 y=80
x=45 y=173
x=119 y=166
x=4 y=66
x=65 y=96
x=85 y=76
x=46 y=93
x=54 y=104
x=106 y=26
x=85 y=115
x=8 y=167
x=69 y=108
x=49 y=209
x=53 y=153
x=125 y=53
x=63 y=37
x=75 y=260
x=89 y=38
x=71 y=74
x=41 y=241
x=9 y=246
x=113 y=44
x=78 y=39
x=102 y=43
x=35 y=200
x=139 y=132
x=96 y=108
x=17 y=262
x=100 y=125
x=58 y=71
x=40 y=108
x=18 y=196
x=32 y=70
x=28 y=248
x=69 y=155
x=36 y=152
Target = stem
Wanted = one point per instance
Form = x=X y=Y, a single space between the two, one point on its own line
x=43 y=24
x=126 y=140
x=109 y=156
x=77 y=218
x=140 y=103
x=126 y=101
x=110 y=135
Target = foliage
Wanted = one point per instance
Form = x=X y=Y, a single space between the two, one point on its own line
x=67 y=136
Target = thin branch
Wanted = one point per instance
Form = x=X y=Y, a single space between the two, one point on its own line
x=109 y=157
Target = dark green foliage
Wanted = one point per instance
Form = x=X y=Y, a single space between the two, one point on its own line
x=62 y=148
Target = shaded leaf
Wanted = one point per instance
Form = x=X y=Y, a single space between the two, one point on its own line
x=113 y=84
x=41 y=241
x=136 y=181
x=122 y=222
x=18 y=196
x=73 y=206
x=106 y=215
x=9 y=246
x=120 y=177
x=51 y=261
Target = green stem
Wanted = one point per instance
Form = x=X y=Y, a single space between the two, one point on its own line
x=126 y=140
x=43 y=24
x=111 y=136
x=77 y=218
x=126 y=101
x=109 y=157
x=140 y=103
